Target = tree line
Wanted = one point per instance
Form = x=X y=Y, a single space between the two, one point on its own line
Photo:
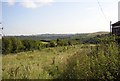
x=15 y=45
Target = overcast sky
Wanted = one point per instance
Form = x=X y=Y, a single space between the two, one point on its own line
x=20 y=17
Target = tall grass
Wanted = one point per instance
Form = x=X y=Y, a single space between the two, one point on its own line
x=47 y=63
x=101 y=61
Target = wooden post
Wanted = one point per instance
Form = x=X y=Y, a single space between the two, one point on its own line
x=110 y=28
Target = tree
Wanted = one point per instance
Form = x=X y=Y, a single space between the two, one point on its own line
x=6 y=45
x=60 y=42
x=52 y=44
x=17 y=45
x=26 y=44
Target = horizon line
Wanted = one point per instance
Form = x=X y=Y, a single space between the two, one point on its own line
x=51 y=33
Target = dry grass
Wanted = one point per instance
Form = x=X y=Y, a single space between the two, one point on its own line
x=37 y=64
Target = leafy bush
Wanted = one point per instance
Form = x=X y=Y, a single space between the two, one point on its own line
x=99 y=62
x=6 y=45
x=52 y=44
x=15 y=45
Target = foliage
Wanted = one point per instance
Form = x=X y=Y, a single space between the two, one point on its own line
x=99 y=62
x=85 y=61
x=15 y=45
x=6 y=45
x=52 y=44
x=45 y=64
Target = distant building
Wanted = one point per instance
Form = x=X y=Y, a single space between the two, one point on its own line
x=119 y=11
x=116 y=28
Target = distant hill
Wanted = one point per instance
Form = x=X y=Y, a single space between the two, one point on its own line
x=61 y=36
x=98 y=33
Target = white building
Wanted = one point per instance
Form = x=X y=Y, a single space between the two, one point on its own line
x=116 y=26
x=119 y=11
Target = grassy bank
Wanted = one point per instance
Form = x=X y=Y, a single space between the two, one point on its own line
x=38 y=64
x=66 y=62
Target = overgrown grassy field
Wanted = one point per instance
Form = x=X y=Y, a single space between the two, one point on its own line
x=47 y=63
x=66 y=62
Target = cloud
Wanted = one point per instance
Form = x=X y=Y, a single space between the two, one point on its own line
x=11 y=2
x=30 y=3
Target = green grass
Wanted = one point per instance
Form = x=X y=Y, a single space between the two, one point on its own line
x=68 y=62
x=37 y=64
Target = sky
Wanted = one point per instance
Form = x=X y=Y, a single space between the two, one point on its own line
x=30 y=17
